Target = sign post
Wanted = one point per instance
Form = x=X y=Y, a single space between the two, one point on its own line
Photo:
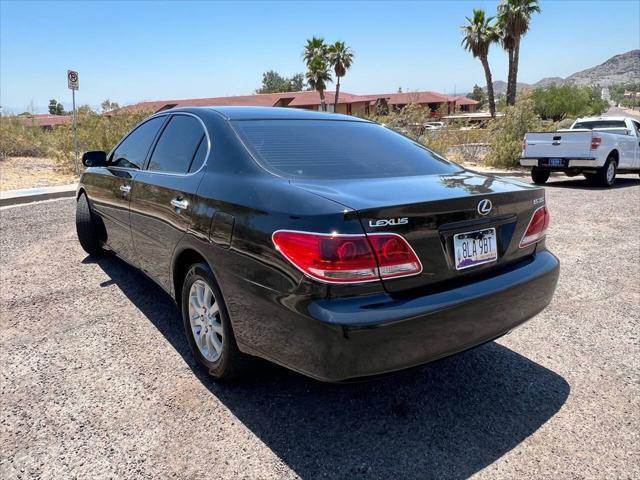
x=72 y=83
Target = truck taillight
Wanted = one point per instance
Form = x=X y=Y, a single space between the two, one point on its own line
x=595 y=142
x=537 y=228
x=338 y=258
x=524 y=144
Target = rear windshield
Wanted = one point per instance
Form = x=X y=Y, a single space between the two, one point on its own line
x=598 y=124
x=327 y=149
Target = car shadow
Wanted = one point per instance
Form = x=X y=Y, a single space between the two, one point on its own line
x=448 y=419
x=580 y=183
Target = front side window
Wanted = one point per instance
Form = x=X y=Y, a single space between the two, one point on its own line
x=327 y=149
x=178 y=145
x=132 y=152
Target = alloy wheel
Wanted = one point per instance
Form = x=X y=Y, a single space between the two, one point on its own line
x=205 y=320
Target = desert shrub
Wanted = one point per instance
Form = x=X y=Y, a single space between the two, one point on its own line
x=556 y=103
x=457 y=143
x=564 y=123
x=95 y=132
x=507 y=132
x=20 y=139
x=437 y=140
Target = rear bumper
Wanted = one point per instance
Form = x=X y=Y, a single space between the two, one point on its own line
x=582 y=162
x=370 y=335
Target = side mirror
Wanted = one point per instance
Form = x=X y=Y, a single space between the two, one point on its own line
x=96 y=158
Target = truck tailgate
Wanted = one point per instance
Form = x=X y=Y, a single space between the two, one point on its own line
x=565 y=144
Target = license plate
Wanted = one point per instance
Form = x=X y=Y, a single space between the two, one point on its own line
x=475 y=248
x=555 y=162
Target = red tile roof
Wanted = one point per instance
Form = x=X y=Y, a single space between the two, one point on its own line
x=47 y=120
x=297 y=99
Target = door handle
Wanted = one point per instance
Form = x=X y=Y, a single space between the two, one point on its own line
x=125 y=188
x=180 y=204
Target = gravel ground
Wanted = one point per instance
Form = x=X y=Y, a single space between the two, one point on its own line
x=98 y=382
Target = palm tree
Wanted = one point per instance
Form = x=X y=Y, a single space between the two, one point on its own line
x=316 y=56
x=479 y=34
x=318 y=74
x=315 y=47
x=340 y=58
x=514 y=17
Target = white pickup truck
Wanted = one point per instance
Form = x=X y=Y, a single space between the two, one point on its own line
x=597 y=147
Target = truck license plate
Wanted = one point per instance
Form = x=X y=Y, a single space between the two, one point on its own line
x=555 y=162
x=475 y=248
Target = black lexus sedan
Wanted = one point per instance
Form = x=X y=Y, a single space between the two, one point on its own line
x=325 y=243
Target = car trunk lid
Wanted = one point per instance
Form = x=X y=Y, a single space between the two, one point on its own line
x=428 y=211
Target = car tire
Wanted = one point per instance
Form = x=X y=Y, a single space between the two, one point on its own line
x=212 y=327
x=88 y=227
x=540 y=175
x=606 y=175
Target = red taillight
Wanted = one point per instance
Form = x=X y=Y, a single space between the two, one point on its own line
x=595 y=142
x=537 y=228
x=348 y=258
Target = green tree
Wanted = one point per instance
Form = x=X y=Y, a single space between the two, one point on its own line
x=478 y=95
x=297 y=82
x=341 y=59
x=514 y=17
x=273 y=82
x=55 y=107
x=479 y=33
x=318 y=75
x=567 y=101
x=108 y=106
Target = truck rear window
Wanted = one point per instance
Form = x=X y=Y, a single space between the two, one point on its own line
x=327 y=149
x=598 y=124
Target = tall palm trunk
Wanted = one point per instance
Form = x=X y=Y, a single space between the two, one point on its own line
x=323 y=105
x=335 y=103
x=487 y=74
x=513 y=72
x=510 y=76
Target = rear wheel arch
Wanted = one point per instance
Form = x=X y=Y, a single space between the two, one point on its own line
x=183 y=260
x=81 y=191
x=614 y=153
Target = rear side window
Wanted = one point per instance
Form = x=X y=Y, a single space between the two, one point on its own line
x=324 y=149
x=177 y=146
x=596 y=124
x=132 y=152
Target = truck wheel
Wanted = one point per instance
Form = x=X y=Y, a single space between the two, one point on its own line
x=540 y=175
x=606 y=176
x=87 y=227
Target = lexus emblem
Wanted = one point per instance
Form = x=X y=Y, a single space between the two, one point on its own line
x=484 y=207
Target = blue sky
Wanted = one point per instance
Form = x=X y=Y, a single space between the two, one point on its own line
x=134 y=51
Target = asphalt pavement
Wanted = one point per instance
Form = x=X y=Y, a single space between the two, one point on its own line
x=97 y=380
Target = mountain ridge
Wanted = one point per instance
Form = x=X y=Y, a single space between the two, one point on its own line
x=621 y=68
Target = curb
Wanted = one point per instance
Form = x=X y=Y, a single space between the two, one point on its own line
x=28 y=195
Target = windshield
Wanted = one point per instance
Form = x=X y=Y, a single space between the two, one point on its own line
x=327 y=149
x=598 y=124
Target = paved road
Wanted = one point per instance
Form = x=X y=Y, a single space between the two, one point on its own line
x=621 y=112
x=97 y=380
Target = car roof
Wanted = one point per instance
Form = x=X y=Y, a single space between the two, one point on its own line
x=270 y=113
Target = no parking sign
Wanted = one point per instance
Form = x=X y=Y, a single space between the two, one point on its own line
x=72 y=80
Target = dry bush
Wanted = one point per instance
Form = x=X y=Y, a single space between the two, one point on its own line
x=507 y=133
x=95 y=132
x=20 y=139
